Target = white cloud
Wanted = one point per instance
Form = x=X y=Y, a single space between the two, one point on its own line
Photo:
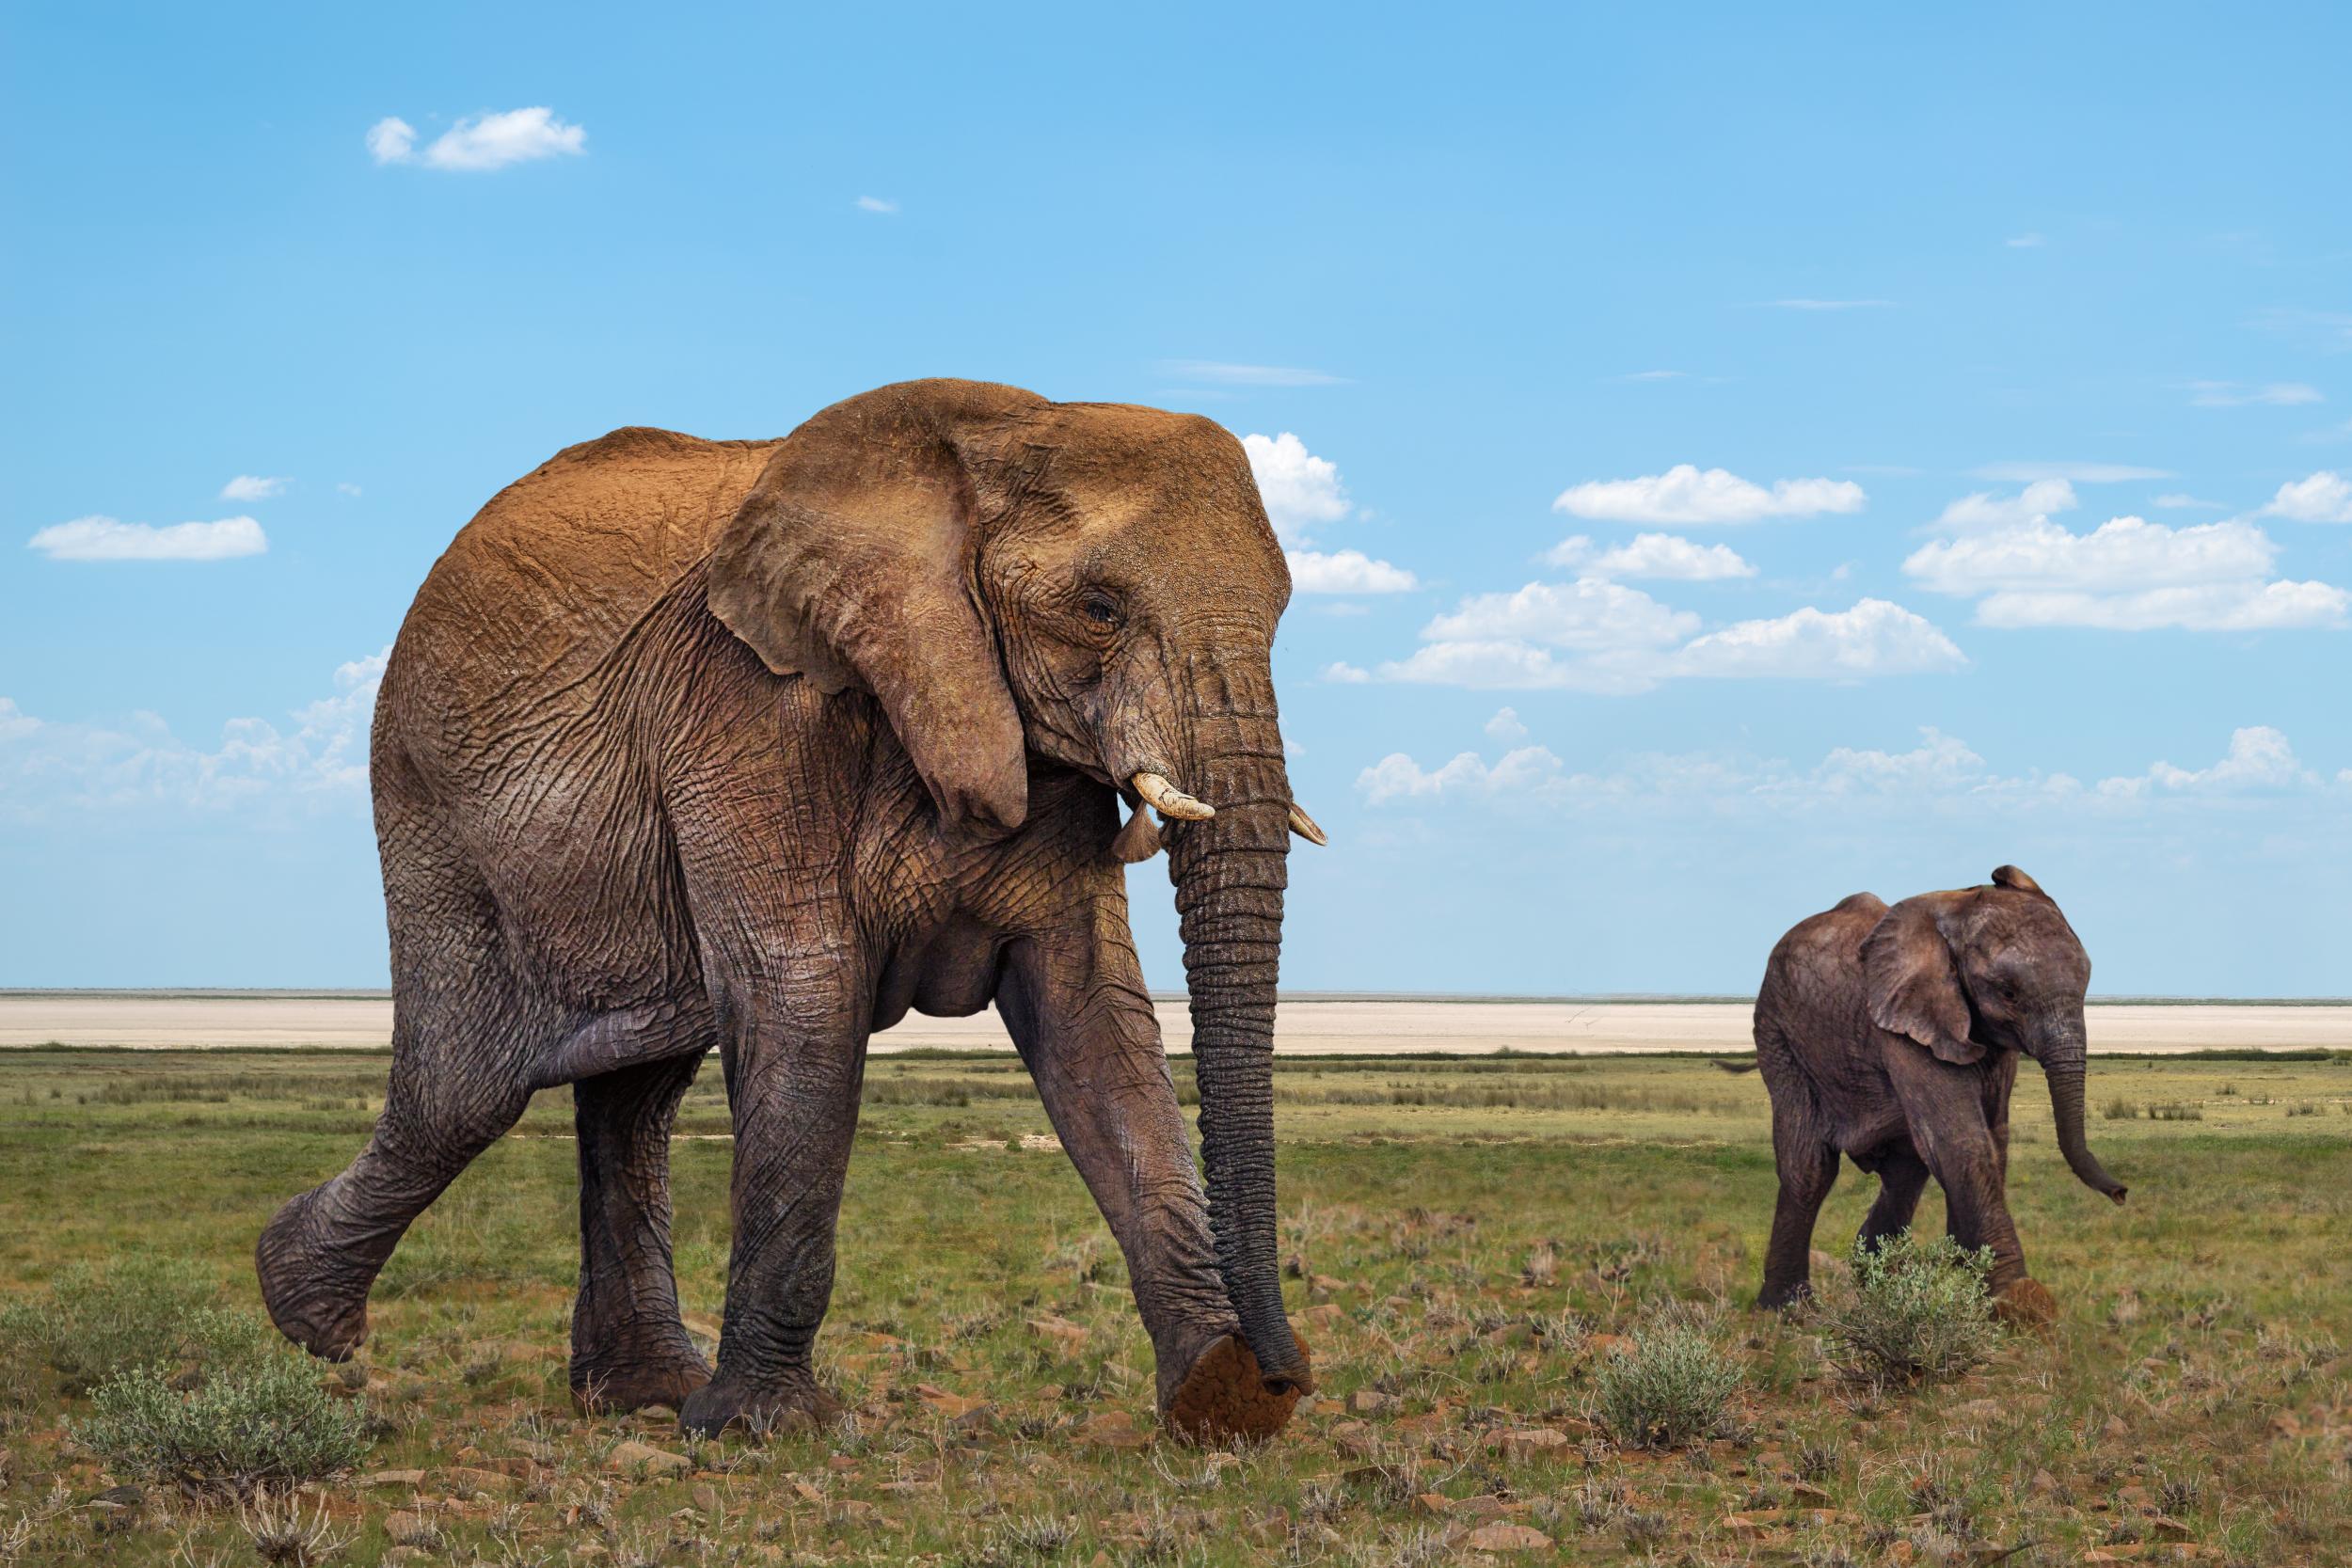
x=1229 y=374
x=2180 y=500
x=1686 y=494
x=1397 y=777
x=1984 y=510
x=2233 y=394
x=2326 y=497
x=2127 y=575
x=2080 y=473
x=1505 y=725
x=346 y=487
x=2025 y=242
x=1832 y=304
x=480 y=142
x=392 y=140
x=2259 y=761
x=253 y=487
x=2220 y=607
x=1346 y=572
x=47 y=765
x=876 y=204
x=2122 y=554
x=1874 y=638
x=1344 y=673
x=1587 y=614
x=1942 y=774
x=1302 y=491
x=96 y=538
x=1652 y=555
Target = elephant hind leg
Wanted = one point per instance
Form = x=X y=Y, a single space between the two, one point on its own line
x=1808 y=1168
x=629 y=1348
x=1902 y=1176
x=463 y=1035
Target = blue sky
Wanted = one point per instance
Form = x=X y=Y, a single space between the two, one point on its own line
x=1855 y=447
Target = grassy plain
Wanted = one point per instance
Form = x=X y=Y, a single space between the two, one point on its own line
x=1467 y=1239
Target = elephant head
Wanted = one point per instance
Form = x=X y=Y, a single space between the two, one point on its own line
x=1090 y=585
x=1991 y=968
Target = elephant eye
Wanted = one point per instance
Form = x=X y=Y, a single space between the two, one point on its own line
x=1102 y=609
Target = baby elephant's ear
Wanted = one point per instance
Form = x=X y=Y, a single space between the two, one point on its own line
x=2009 y=875
x=1912 y=983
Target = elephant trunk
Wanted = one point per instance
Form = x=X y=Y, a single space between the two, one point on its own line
x=2062 y=1063
x=1230 y=873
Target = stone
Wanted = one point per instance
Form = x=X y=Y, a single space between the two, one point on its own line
x=630 y=1454
x=410 y=1479
x=1528 y=1442
x=1114 y=1429
x=1504 y=1536
x=1369 y=1402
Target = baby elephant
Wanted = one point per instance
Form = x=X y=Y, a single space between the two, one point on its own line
x=1891 y=1034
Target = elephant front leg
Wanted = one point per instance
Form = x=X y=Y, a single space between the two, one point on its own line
x=1079 y=1011
x=793 y=1070
x=1969 y=1159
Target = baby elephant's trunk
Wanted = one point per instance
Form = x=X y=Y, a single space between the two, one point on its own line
x=2062 y=1061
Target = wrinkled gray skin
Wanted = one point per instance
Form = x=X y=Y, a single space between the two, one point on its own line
x=1892 y=1035
x=755 y=746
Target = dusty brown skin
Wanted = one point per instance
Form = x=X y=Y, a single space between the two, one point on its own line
x=1892 y=1035
x=756 y=745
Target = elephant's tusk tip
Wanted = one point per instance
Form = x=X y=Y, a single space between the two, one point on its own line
x=1306 y=828
x=1170 y=801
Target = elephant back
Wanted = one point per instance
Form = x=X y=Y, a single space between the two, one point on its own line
x=551 y=573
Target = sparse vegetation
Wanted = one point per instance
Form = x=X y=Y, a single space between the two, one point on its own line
x=1466 y=1261
x=1668 y=1386
x=1915 y=1312
x=269 y=1422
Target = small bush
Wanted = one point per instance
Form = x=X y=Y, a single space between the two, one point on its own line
x=1919 y=1312
x=269 y=1423
x=1669 y=1388
x=138 y=1312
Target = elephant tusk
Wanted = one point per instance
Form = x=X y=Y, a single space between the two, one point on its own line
x=1170 y=800
x=1304 y=826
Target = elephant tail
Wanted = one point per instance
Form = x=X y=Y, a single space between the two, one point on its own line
x=1748 y=1066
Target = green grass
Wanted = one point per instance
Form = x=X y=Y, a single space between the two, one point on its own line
x=1470 y=1241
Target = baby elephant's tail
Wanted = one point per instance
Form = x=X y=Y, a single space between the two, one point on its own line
x=1748 y=1066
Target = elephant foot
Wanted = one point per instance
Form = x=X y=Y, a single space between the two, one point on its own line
x=327 y=1323
x=2026 y=1303
x=1785 y=1298
x=796 y=1405
x=612 y=1386
x=1224 y=1397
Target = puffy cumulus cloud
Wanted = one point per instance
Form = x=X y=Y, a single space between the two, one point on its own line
x=1587 y=614
x=1652 y=555
x=2259 y=761
x=1687 y=494
x=1874 y=638
x=96 y=538
x=2123 y=554
x=48 y=766
x=1302 y=491
x=1505 y=725
x=253 y=487
x=479 y=143
x=2126 y=575
x=1507 y=666
x=2326 y=497
x=1346 y=572
x=1397 y=776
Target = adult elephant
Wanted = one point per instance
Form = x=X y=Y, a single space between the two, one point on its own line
x=757 y=745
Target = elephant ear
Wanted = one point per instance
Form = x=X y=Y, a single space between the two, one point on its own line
x=852 y=563
x=1912 y=983
x=2010 y=877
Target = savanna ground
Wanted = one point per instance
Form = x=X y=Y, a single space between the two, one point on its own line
x=1470 y=1240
